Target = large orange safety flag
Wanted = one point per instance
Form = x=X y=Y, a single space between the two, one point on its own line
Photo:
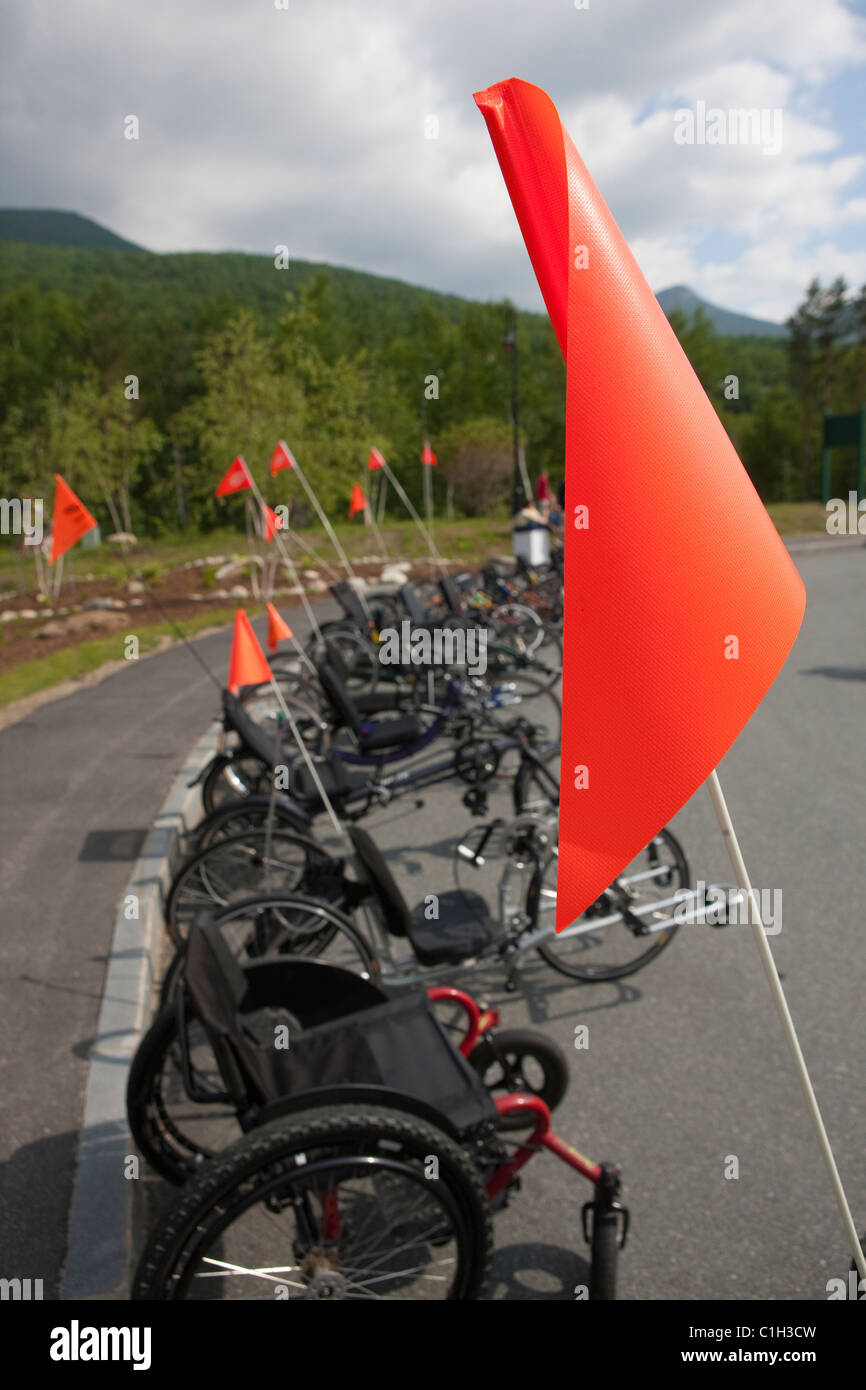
x=70 y=519
x=681 y=602
x=282 y=457
x=236 y=478
x=278 y=628
x=247 y=665
x=357 y=502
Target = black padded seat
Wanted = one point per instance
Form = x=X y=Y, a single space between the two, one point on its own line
x=464 y=928
x=336 y=777
x=377 y=701
x=390 y=733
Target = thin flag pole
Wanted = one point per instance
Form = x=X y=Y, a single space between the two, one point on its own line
x=431 y=544
x=323 y=517
x=305 y=545
x=293 y=573
x=311 y=767
x=741 y=874
x=428 y=494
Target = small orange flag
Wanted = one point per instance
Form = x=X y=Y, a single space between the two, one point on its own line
x=70 y=521
x=273 y=522
x=278 y=628
x=427 y=454
x=357 y=502
x=248 y=665
x=236 y=478
x=282 y=457
x=376 y=460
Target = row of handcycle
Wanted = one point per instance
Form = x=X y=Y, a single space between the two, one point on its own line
x=340 y=1119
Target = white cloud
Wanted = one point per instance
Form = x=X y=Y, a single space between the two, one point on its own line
x=305 y=126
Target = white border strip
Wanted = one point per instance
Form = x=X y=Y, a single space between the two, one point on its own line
x=99 y=1232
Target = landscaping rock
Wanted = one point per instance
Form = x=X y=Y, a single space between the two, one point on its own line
x=135 y=586
x=395 y=573
x=8 y=617
x=109 y=604
x=239 y=591
x=28 y=613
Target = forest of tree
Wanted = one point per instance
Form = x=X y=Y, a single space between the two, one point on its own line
x=139 y=377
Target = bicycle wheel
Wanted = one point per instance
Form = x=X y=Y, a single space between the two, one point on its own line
x=248 y=813
x=604 y=944
x=175 y=1134
x=251 y=863
x=517 y=1059
x=231 y=778
x=327 y=1203
x=605 y=1249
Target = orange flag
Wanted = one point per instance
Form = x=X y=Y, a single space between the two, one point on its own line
x=282 y=457
x=427 y=454
x=273 y=522
x=248 y=665
x=681 y=602
x=357 y=502
x=70 y=519
x=236 y=479
x=278 y=628
x=376 y=460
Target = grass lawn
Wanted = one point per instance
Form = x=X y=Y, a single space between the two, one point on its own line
x=73 y=662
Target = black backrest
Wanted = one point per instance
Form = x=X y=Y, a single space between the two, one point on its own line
x=347 y=596
x=395 y=909
x=248 y=731
x=338 y=694
x=350 y=1035
x=451 y=594
x=415 y=610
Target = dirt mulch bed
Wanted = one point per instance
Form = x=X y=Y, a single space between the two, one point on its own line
x=169 y=599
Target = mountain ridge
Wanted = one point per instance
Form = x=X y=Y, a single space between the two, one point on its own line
x=72 y=231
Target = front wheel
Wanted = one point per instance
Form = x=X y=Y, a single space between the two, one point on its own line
x=604 y=943
x=517 y=1059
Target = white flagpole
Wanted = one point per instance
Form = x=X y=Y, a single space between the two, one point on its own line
x=293 y=573
x=428 y=494
x=742 y=876
x=311 y=767
x=323 y=517
x=431 y=544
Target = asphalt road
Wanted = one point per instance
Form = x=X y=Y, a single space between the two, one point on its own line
x=686 y=1064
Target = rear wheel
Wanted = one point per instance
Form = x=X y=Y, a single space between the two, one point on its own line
x=331 y=1203
x=253 y=863
x=604 y=944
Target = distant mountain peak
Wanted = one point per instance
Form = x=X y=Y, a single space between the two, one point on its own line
x=49 y=227
x=725 y=321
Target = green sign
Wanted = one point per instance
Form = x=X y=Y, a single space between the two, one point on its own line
x=844 y=431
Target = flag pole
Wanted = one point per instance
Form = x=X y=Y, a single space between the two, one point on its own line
x=311 y=767
x=431 y=544
x=293 y=573
x=771 y=972
x=323 y=517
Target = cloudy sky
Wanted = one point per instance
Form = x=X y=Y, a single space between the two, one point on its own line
x=305 y=125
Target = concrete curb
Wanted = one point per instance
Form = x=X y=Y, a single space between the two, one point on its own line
x=803 y=544
x=100 y=1220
